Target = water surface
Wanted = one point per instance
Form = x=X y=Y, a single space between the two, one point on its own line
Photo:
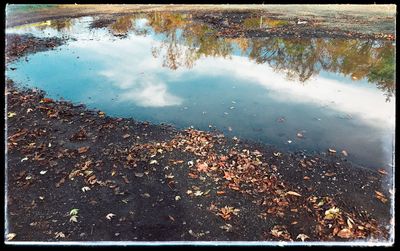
x=168 y=68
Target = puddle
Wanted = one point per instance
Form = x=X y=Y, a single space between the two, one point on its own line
x=297 y=94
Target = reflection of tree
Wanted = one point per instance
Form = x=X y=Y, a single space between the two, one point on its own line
x=121 y=26
x=57 y=24
x=303 y=58
x=185 y=41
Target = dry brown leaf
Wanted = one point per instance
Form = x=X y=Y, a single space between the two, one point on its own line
x=380 y=196
x=202 y=167
x=129 y=157
x=83 y=149
x=46 y=100
x=293 y=193
x=382 y=171
x=228 y=175
x=345 y=233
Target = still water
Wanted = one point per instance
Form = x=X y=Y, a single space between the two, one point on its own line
x=296 y=94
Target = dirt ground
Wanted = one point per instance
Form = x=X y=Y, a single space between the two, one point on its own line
x=366 y=19
x=79 y=175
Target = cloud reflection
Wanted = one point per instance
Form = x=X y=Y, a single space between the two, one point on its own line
x=145 y=81
x=128 y=69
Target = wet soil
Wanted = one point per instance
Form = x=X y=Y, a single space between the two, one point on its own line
x=154 y=179
x=18 y=46
x=135 y=181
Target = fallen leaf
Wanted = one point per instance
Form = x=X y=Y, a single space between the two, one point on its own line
x=59 y=235
x=380 y=196
x=382 y=171
x=293 y=193
x=74 y=211
x=11 y=114
x=330 y=174
x=84 y=189
x=129 y=157
x=73 y=218
x=202 y=167
x=302 y=237
x=46 y=100
x=331 y=213
x=227 y=227
x=198 y=193
x=83 y=149
x=155 y=162
x=110 y=216
x=145 y=195
x=11 y=236
x=350 y=223
x=345 y=233
x=228 y=175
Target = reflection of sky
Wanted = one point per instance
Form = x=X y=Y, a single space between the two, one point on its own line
x=122 y=78
x=357 y=99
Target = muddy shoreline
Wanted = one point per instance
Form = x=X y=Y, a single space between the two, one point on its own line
x=136 y=181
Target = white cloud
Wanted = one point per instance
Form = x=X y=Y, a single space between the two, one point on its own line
x=131 y=68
